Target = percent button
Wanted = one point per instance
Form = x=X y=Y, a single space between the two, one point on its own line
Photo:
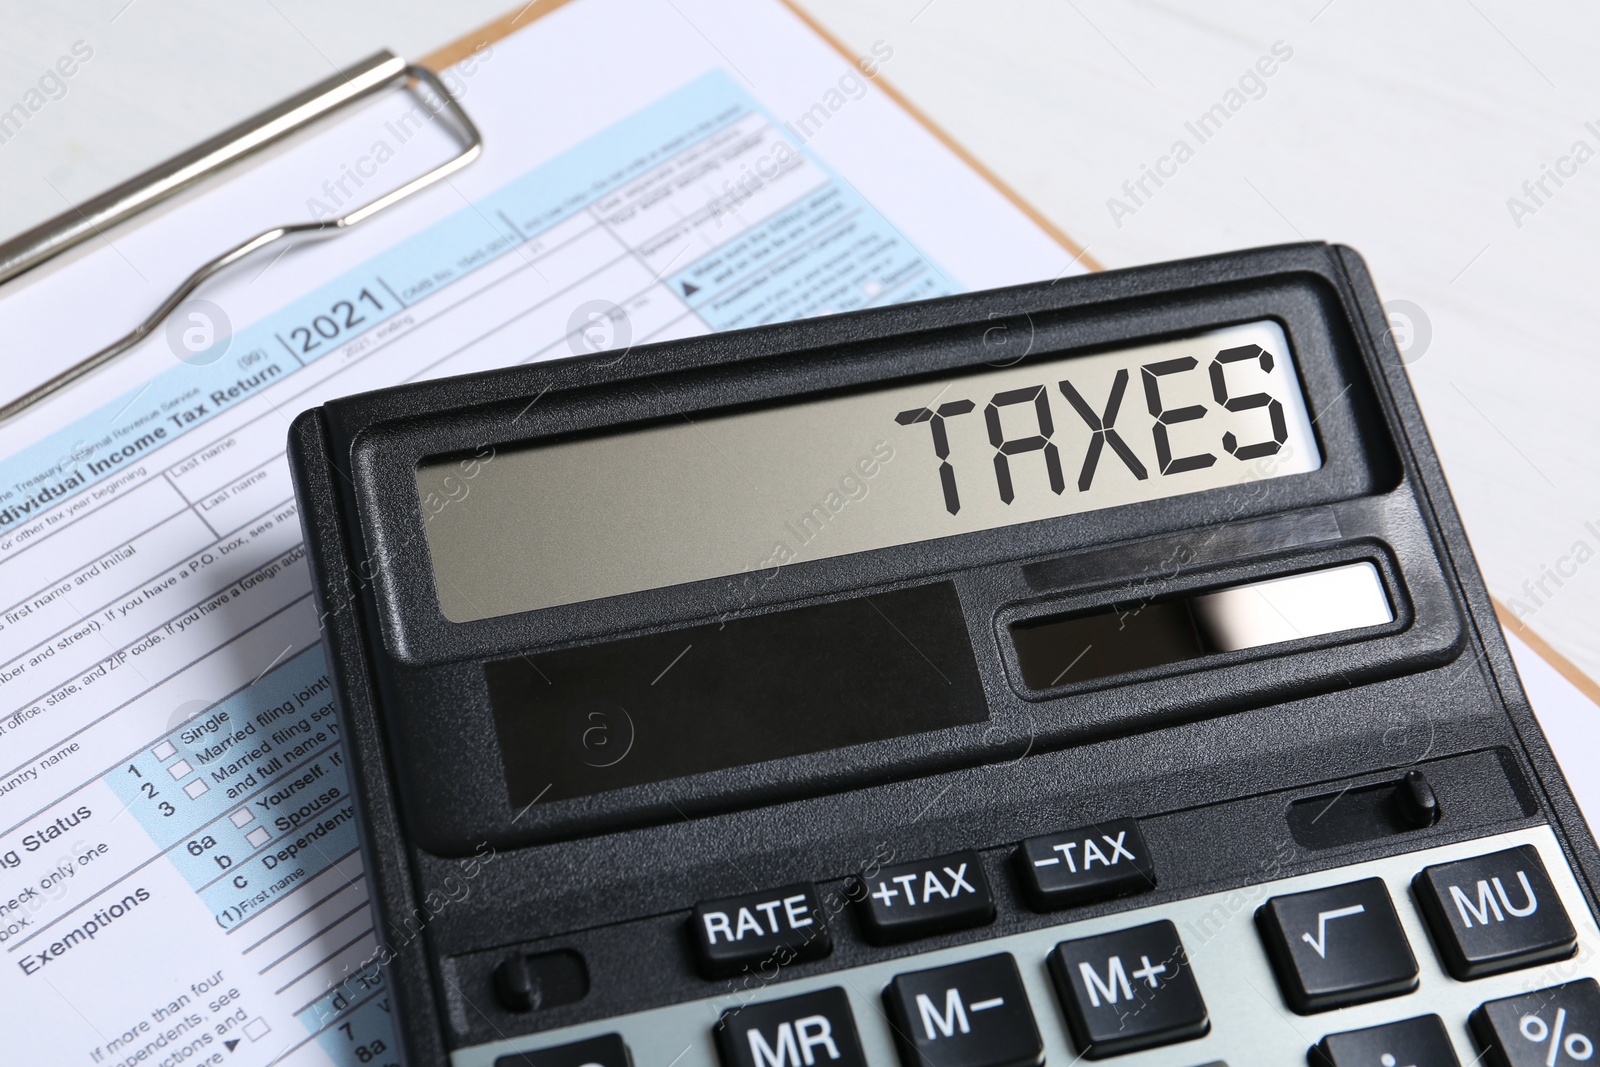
x=1548 y=1028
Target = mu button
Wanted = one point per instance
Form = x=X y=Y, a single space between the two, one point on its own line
x=1494 y=913
x=1337 y=946
x=970 y=1014
x=1128 y=990
x=811 y=1030
x=926 y=897
x=775 y=927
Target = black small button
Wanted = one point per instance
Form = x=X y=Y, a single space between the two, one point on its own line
x=926 y=897
x=605 y=1051
x=783 y=926
x=1416 y=801
x=969 y=1014
x=1337 y=946
x=1128 y=990
x=1419 y=1042
x=814 y=1029
x=1559 y=1025
x=1494 y=913
x=1088 y=864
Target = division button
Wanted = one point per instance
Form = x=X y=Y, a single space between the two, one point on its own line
x=1089 y=864
x=1494 y=913
x=969 y=1014
x=604 y=1051
x=1337 y=946
x=925 y=897
x=1419 y=1042
x=1556 y=1026
x=1128 y=990
x=783 y=926
x=812 y=1030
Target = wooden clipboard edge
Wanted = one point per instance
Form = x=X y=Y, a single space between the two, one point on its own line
x=1563 y=666
x=487 y=34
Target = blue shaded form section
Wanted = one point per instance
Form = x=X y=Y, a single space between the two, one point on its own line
x=251 y=798
x=827 y=253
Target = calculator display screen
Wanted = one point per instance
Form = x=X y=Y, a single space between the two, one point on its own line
x=749 y=493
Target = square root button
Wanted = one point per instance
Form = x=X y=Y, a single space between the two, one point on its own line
x=811 y=1030
x=1085 y=865
x=970 y=1014
x=925 y=897
x=1128 y=990
x=1494 y=913
x=1337 y=946
x=783 y=926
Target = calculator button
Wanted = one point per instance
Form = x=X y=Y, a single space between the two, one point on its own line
x=604 y=1051
x=1558 y=1026
x=1337 y=946
x=969 y=1014
x=1128 y=990
x=926 y=897
x=816 y=1029
x=1080 y=866
x=1494 y=913
x=783 y=925
x=1419 y=1042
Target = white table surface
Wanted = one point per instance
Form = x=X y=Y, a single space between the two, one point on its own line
x=1400 y=129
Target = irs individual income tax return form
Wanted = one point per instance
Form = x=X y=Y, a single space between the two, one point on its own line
x=179 y=877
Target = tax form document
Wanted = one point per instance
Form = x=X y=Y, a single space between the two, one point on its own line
x=179 y=876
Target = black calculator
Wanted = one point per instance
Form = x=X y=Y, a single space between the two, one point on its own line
x=1086 y=670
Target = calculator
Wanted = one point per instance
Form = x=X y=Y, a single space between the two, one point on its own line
x=1094 y=669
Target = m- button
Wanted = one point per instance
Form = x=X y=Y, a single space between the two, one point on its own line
x=969 y=1014
x=1337 y=946
x=926 y=897
x=1494 y=913
x=783 y=926
x=1079 y=866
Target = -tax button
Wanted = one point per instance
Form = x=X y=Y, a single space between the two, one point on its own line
x=1084 y=865
x=782 y=926
x=1494 y=913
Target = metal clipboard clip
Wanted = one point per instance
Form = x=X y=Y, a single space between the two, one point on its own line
x=375 y=74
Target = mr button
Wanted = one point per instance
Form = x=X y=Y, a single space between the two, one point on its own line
x=811 y=1030
x=926 y=897
x=782 y=925
x=1079 y=866
x=1337 y=946
x=1494 y=913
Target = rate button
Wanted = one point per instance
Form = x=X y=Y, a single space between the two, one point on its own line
x=782 y=926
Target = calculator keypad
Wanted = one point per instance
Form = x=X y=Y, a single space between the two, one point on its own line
x=1175 y=984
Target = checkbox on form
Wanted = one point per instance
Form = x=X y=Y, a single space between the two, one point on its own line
x=164 y=751
x=256 y=1029
x=196 y=788
x=257 y=837
x=179 y=769
x=242 y=817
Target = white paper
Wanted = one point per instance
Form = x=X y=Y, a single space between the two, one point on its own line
x=179 y=880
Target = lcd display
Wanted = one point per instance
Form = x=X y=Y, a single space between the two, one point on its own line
x=698 y=498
